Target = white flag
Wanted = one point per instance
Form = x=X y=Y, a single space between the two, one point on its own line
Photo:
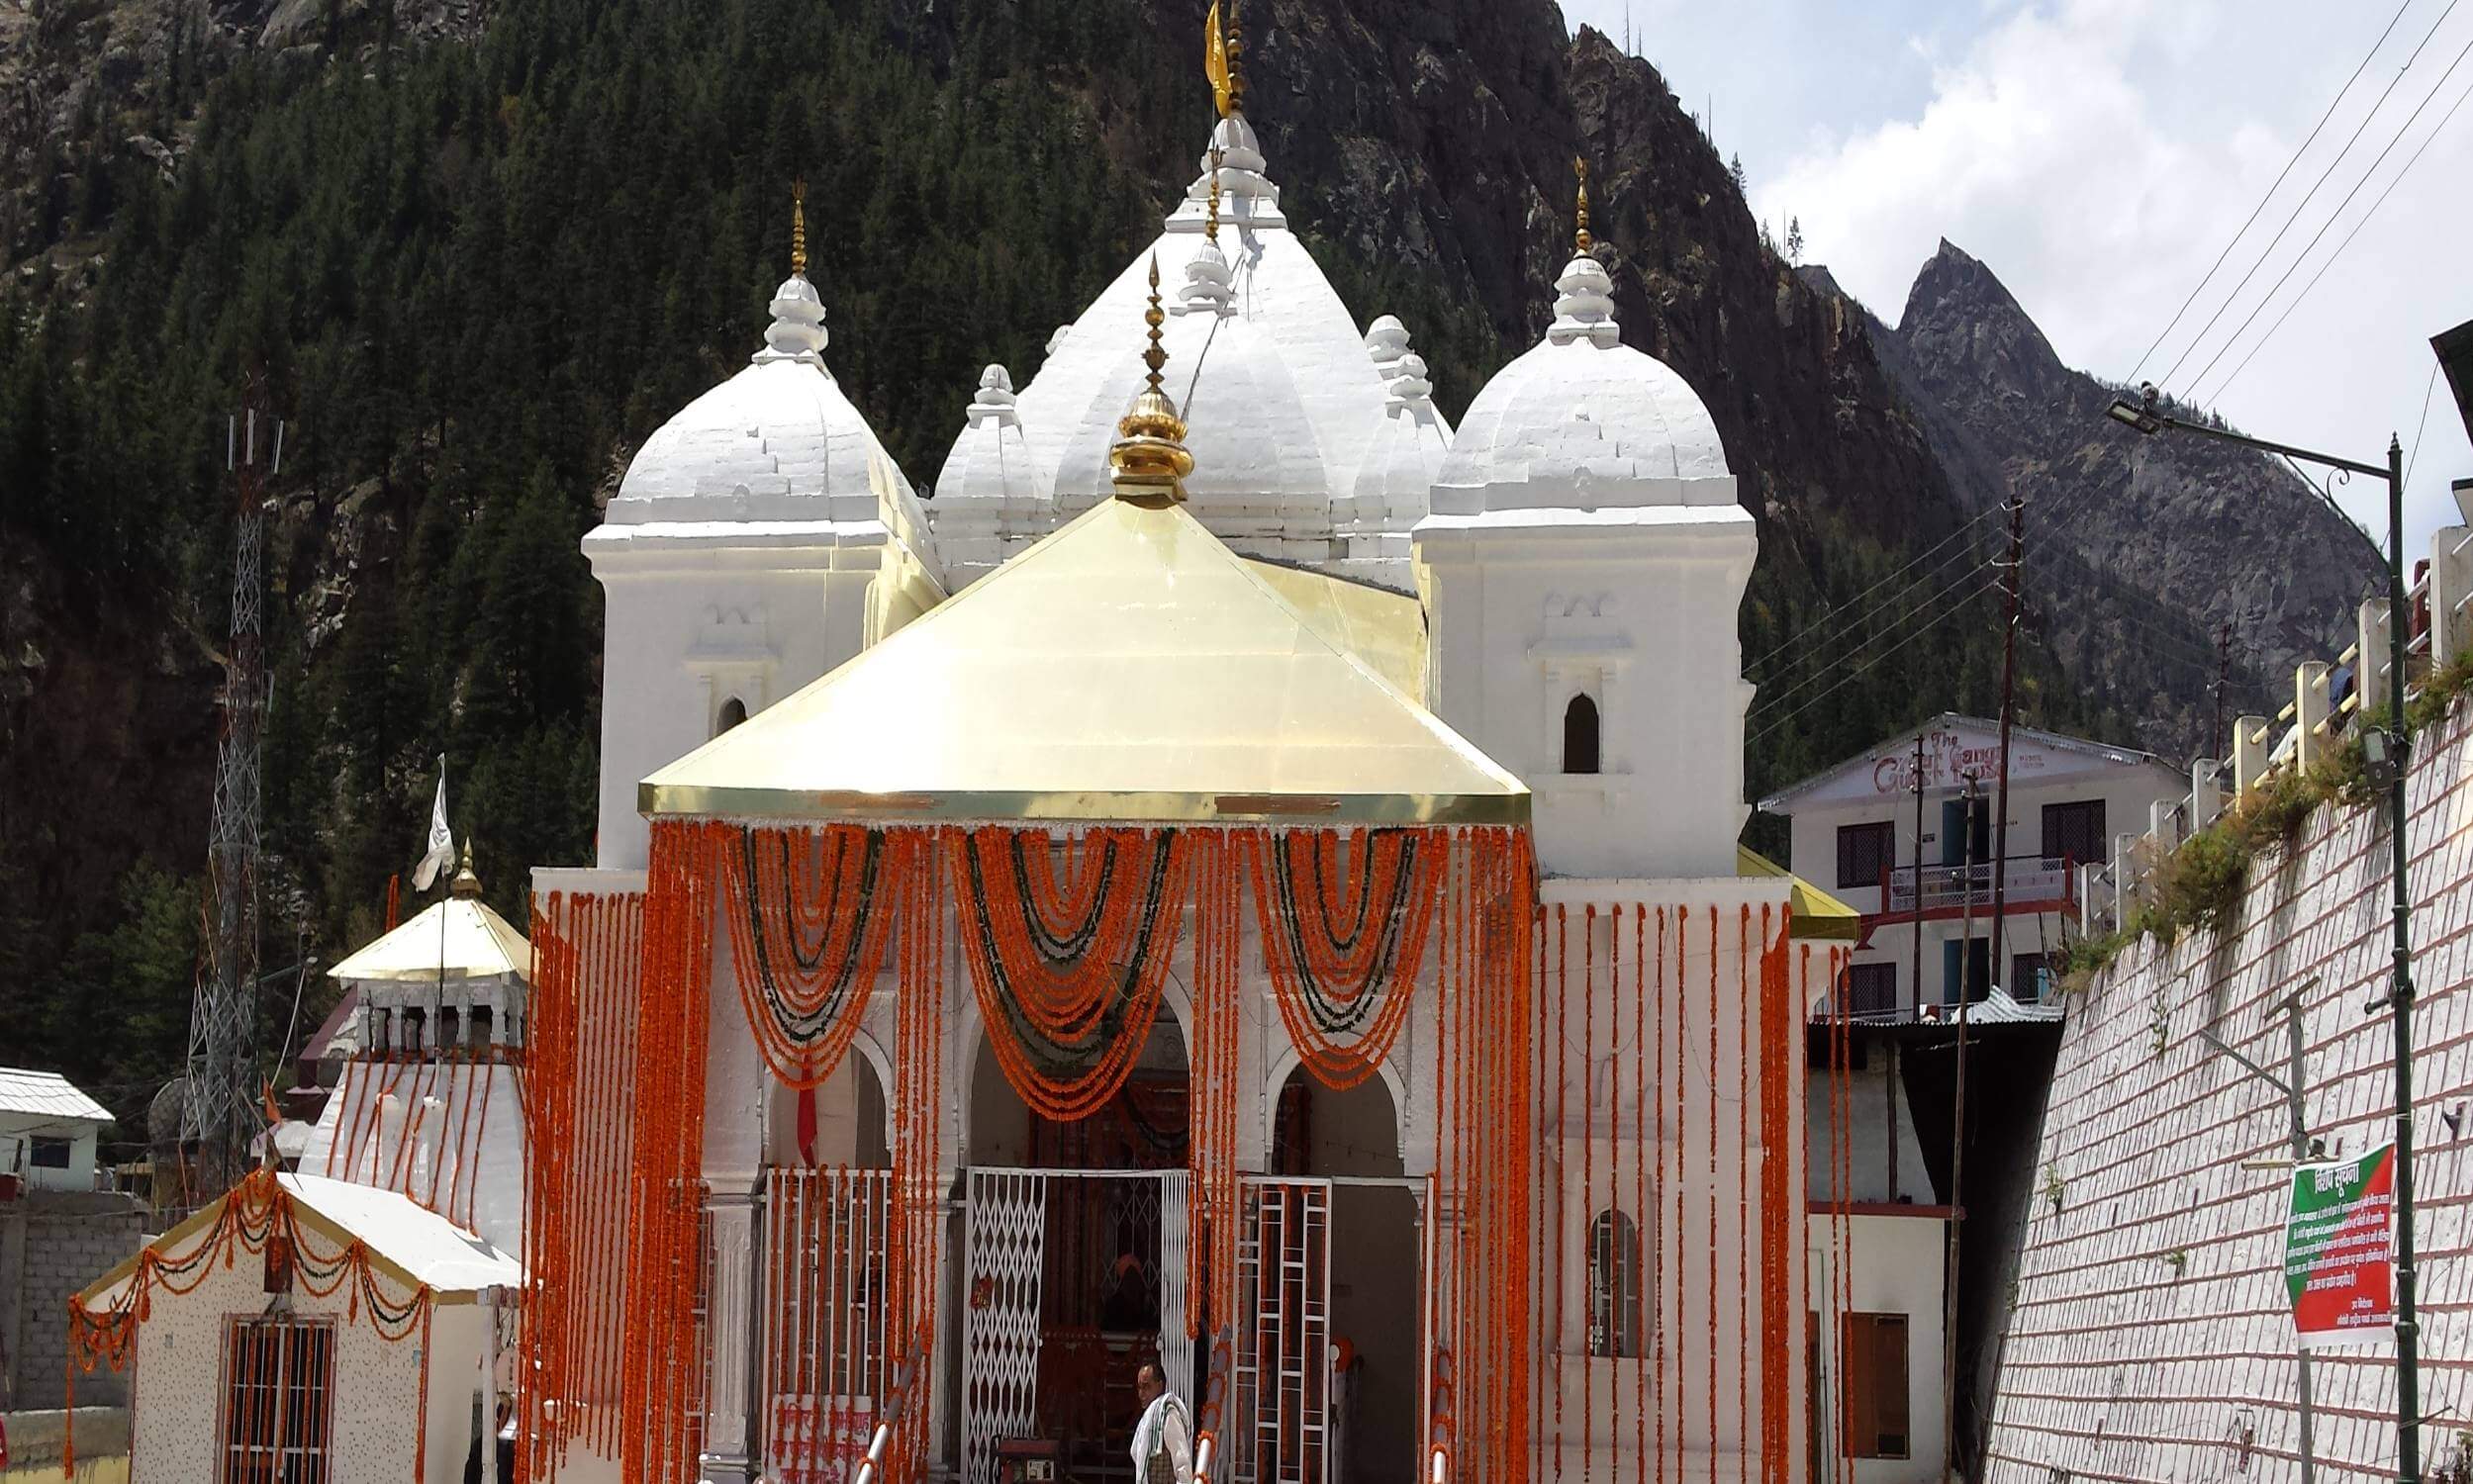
x=442 y=844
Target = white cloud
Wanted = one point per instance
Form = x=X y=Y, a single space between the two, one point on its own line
x=2097 y=155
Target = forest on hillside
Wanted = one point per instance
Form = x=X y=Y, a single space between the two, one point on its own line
x=473 y=277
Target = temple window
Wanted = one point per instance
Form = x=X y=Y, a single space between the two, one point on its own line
x=1580 y=735
x=733 y=711
x=1614 y=1327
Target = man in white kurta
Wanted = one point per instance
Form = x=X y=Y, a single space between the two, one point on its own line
x=1162 y=1440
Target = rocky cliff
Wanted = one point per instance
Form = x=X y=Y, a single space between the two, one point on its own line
x=2143 y=553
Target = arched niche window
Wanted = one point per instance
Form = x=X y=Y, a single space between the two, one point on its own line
x=733 y=711
x=1614 y=1286
x=1580 y=735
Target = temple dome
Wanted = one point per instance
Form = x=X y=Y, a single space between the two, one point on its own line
x=769 y=443
x=1583 y=421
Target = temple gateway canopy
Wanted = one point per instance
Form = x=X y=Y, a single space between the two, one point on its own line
x=1128 y=667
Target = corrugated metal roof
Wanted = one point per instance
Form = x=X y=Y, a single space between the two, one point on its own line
x=47 y=1094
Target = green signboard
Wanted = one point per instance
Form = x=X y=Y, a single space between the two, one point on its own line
x=2340 y=1250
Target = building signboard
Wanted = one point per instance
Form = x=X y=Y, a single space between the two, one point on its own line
x=2339 y=1248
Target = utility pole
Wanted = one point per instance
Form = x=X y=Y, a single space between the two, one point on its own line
x=2224 y=672
x=219 y=1105
x=1957 y=1146
x=2009 y=700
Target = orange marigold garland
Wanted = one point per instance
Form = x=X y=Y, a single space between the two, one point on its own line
x=919 y=1102
x=1344 y=942
x=663 y=1367
x=1218 y=1030
x=1781 y=1191
x=1068 y=975
x=807 y=911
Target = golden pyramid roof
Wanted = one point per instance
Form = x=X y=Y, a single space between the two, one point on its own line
x=1129 y=665
x=471 y=943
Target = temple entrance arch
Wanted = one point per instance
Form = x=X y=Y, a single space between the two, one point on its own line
x=1074 y=1259
x=840 y=1121
x=1339 y=1196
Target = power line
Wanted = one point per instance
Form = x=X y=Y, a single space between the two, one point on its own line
x=2426 y=387
x=1860 y=671
x=2431 y=137
x=1956 y=568
x=2312 y=243
x=2200 y=286
x=1874 y=636
x=1893 y=576
x=2269 y=250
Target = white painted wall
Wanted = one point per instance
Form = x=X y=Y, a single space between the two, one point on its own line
x=377 y=1383
x=1882 y=1264
x=17 y=1136
x=1633 y=608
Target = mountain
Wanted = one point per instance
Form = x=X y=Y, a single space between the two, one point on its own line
x=2142 y=552
x=477 y=252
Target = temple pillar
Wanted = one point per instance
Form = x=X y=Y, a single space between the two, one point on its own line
x=733 y=1433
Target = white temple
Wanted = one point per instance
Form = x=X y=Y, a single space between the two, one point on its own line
x=883 y=1189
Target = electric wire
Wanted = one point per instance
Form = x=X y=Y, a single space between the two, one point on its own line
x=2312 y=245
x=2333 y=104
x=2303 y=204
x=1956 y=568
x=1875 y=633
x=1860 y=671
x=1893 y=576
x=2422 y=426
x=2428 y=141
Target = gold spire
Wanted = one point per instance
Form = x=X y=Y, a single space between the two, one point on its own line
x=1581 y=240
x=1150 y=459
x=1236 y=64
x=466 y=884
x=799 y=229
x=1210 y=221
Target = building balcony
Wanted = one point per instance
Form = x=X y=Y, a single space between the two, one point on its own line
x=1931 y=893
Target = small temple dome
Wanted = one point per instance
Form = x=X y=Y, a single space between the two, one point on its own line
x=767 y=443
x=1583 y=420
x=990 y=491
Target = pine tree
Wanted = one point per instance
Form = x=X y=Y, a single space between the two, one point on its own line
x=1794 y=241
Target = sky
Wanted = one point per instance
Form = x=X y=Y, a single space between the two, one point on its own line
x=2099 y=155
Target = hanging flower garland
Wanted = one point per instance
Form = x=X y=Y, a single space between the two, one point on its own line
x=1069 y=970
x=258 y=1212
x=1344 y=944
x=807 y=916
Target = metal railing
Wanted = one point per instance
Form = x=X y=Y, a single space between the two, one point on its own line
x=2026 y=878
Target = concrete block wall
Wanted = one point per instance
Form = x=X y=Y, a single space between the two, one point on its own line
x=2149 y=1338
x=52 y=1245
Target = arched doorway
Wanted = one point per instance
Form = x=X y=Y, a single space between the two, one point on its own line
x=1350 y=1138
x=826 y=1225
x=1074 y=1263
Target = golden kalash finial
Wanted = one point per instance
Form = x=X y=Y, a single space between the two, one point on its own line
x=1236 y=63
x=466 y=884
x=1149 y=460
x=799 y=229
x=1580 y=238
x=1210 y=218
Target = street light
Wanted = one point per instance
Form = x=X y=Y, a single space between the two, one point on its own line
x=2391 y=750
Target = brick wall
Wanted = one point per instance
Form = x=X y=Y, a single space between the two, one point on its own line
x=53 y=1244
x=2150 y=1337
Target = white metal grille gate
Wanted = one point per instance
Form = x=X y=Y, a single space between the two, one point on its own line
x=826 y=1240
x=1176 y=1352
x=1282 y=1386
x=1005 y=1232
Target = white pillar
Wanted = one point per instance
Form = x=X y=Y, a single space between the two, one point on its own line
x=2249 y=754
x=731 y=1431
x=2310 y=712
x=2370 y=660
x=2452 y=582
x=2205 y=792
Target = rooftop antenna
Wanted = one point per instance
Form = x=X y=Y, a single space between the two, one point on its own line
x=218 y=1111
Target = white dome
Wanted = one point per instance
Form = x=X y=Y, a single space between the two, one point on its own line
x=1583 y=420
x=767 y=443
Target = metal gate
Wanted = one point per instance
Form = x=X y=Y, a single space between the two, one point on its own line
x=1006 y=1229
x=826 y=1240
x=1176 y=1352
x=1282 y=1386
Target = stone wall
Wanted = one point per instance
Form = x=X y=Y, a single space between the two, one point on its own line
x=52 y=1245
x=2149 y=1338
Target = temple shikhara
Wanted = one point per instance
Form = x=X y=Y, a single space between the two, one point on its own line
x=1242 y=877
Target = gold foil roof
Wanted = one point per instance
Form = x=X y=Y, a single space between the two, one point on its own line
x=1128 y=667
